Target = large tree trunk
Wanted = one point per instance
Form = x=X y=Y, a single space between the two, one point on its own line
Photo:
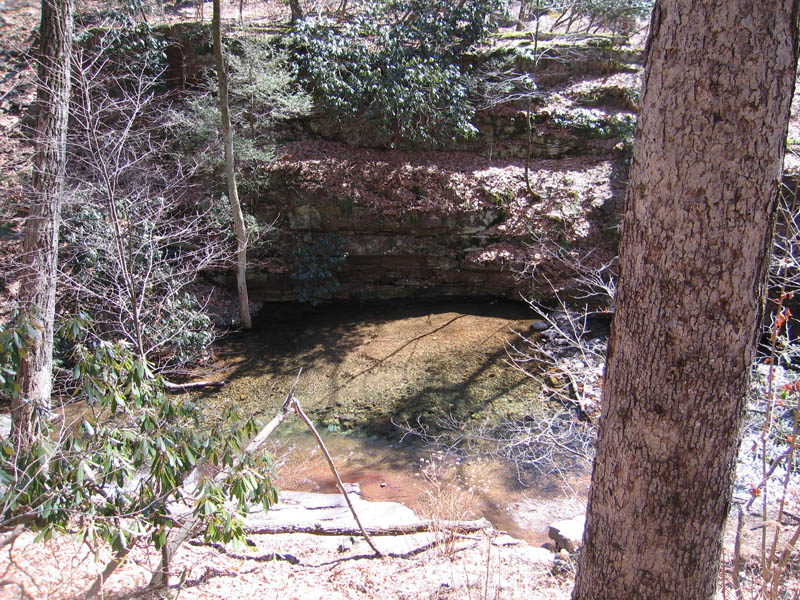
x=718 y=84
x=230 y=172
x=40 y=246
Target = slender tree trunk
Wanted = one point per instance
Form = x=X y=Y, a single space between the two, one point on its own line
x=528 y=112
x=524 y=9
x=529 y=149
x=297 y=10
x=230 y=172
x=40 y=254
x=718 y=84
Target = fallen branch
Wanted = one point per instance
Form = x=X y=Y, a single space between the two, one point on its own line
x=193 y=526
x=266 y=431
x=269 y=557
x=421 y=527
x=408 y=554
x=97 y=586
x=293 y=560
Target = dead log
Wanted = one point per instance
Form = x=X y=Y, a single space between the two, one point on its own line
x=421 y=527
x=191 y=385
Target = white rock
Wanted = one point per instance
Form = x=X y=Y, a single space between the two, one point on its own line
x=541 y=556
x=568 y=534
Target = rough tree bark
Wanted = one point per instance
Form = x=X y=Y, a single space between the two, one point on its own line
x=40 y=245
x=718 y=84
x=230 y=171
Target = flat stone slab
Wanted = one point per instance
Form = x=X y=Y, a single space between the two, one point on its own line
x=328 y=514
x=329 y=511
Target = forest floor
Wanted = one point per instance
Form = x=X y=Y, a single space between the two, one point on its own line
x=469 y=568
x=487 y=565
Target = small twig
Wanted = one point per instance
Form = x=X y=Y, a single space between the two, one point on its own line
x=737 y=553
x=408 y=554
x=339 y=483
x=791 y=515
x=12 y=535
x=766 y=477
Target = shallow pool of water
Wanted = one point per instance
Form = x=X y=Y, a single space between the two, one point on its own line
x=367 y=369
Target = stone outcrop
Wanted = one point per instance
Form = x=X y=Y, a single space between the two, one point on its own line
x=455 y=218
x=430 y=224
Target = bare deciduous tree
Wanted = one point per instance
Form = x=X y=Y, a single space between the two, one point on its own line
x=137 y=236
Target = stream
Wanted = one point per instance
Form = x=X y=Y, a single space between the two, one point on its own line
x=369 y=368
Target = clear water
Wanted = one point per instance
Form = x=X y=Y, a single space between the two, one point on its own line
x=367 y=369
